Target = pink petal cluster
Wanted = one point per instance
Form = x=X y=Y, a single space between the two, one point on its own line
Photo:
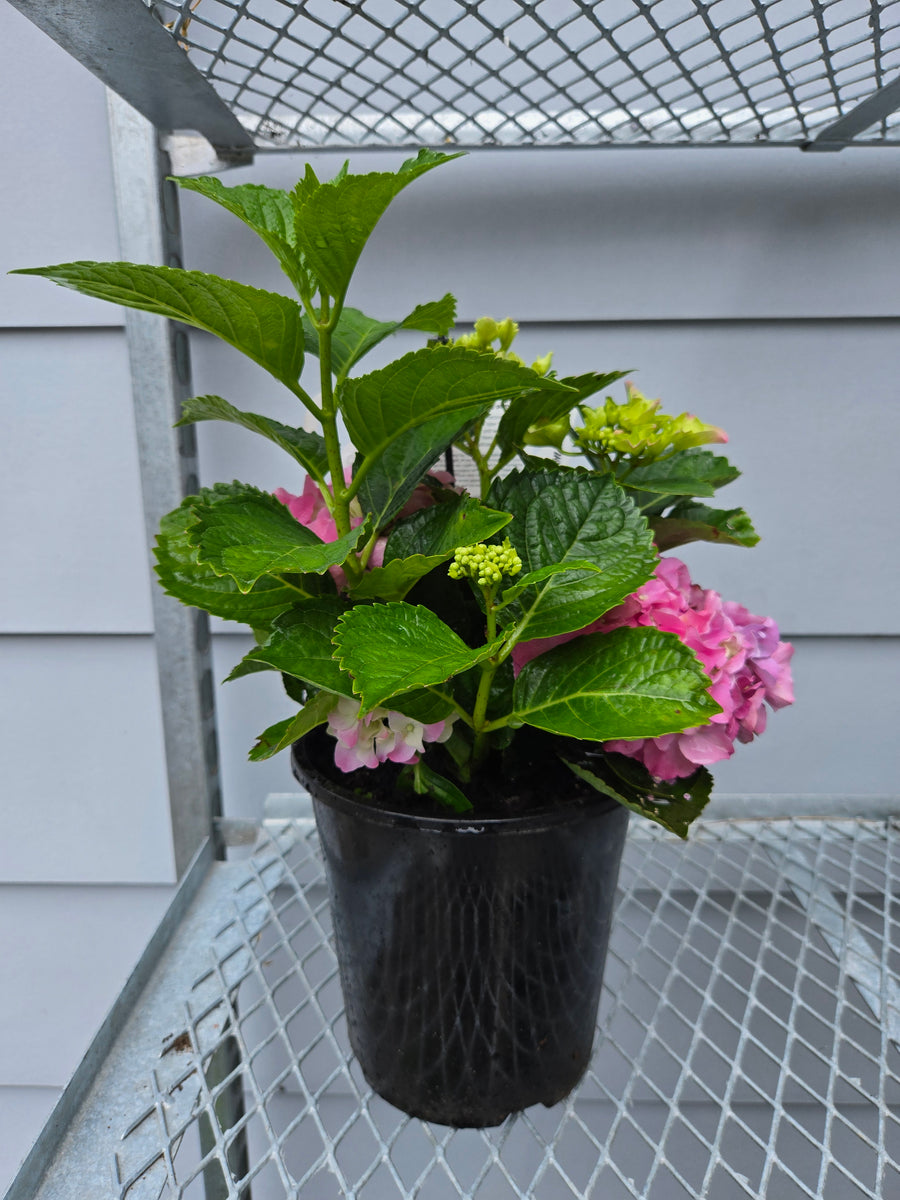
x=380 y=736
x=310 y=509
x=741 y=653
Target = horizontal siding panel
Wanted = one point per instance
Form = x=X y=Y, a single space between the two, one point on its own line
x=608 y=235
x=23 y=1112
x=73 y=948
x=84 y=778
x=244 y=708
x=839 y=738
x=56 y=191
x=811 y=410
x=70 y=497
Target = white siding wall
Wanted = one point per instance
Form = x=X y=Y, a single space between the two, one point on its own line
x=86 y=862
x=756 y=288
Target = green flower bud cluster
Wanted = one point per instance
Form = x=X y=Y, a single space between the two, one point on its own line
x=487 y=331
x=639 y=429
x=485 y=564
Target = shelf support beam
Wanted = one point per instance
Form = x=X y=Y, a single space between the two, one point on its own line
x=149 y=232
x=123 y=44
x=868 y=112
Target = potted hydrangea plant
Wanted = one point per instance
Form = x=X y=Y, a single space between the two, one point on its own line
x=482 y=686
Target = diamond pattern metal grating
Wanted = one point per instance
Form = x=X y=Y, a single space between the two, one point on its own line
x=347 y=73
x=748 y=1044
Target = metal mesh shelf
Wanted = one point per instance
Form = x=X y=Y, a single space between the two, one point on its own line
x=552 y=73
x=748 y=1043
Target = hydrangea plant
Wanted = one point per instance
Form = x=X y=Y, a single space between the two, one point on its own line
x=425 y=627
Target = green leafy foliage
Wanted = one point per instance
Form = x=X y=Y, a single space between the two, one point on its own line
x=425 y=781
x=687 y=473
x=534 y=408
x=304 y=447
x=533 y=578
x=250 y=535
x=300 y=644
x=183 y=576
x=283 y=734
x=437 y=531
x=263 y=325
x=585 y=538
x=394 y=580
x=393 y=648
x=380 y=407
x=696 y=522
x=356 y=334
x=630 y=683
x=269 y=212
x=565 y=518
x=674 y=805
x=333 y=221
x=689 y=522
x=389 y=478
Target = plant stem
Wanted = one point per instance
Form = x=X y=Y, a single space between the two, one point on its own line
x=488 y=671
x=341 y=505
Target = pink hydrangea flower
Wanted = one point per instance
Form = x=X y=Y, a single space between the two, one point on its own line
x=741 y=653
x=381 y=736
x=310 y=509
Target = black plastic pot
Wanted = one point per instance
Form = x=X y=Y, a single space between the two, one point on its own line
x=471 y=951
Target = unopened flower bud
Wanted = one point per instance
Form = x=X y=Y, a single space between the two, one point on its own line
x=485 y=564
x=542 y=365
x=506 y=332
x=486 y=330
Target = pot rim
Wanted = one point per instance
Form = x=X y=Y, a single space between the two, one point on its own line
x=330 y=792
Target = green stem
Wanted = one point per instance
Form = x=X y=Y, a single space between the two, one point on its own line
x=488 y=671
x=341 y=505
x=457 y=707
x=479 y=724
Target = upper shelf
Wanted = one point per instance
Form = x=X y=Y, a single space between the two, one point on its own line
x=268 y=75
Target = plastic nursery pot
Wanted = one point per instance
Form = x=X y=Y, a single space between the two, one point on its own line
x=471 y=952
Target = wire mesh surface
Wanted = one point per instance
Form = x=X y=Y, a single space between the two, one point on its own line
x=557 y=72
x=747 y=1044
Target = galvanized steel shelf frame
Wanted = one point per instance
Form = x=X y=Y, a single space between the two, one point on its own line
x=270 y=74
x=748 y=1042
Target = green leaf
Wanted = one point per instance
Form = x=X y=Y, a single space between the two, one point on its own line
x=687 y=473
x=428 y=782
x=300 y=644
x=535 y=577
x=564 y=517
x=422 y=705
x=285 y=733
x=426 y=539
x=251 y=535
x=439 y=530
x=435 y=316
x=391 y=477
x=394 y=579
x=268 y=211
x=531 y=407
x=674 y=805
x=689 y=522
x=304 y=447
x=356 y=334
x=263 y=325
x=184 y=577
x=392 y=648
x=333 y=220
x=380 y=407
x=631 y=683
